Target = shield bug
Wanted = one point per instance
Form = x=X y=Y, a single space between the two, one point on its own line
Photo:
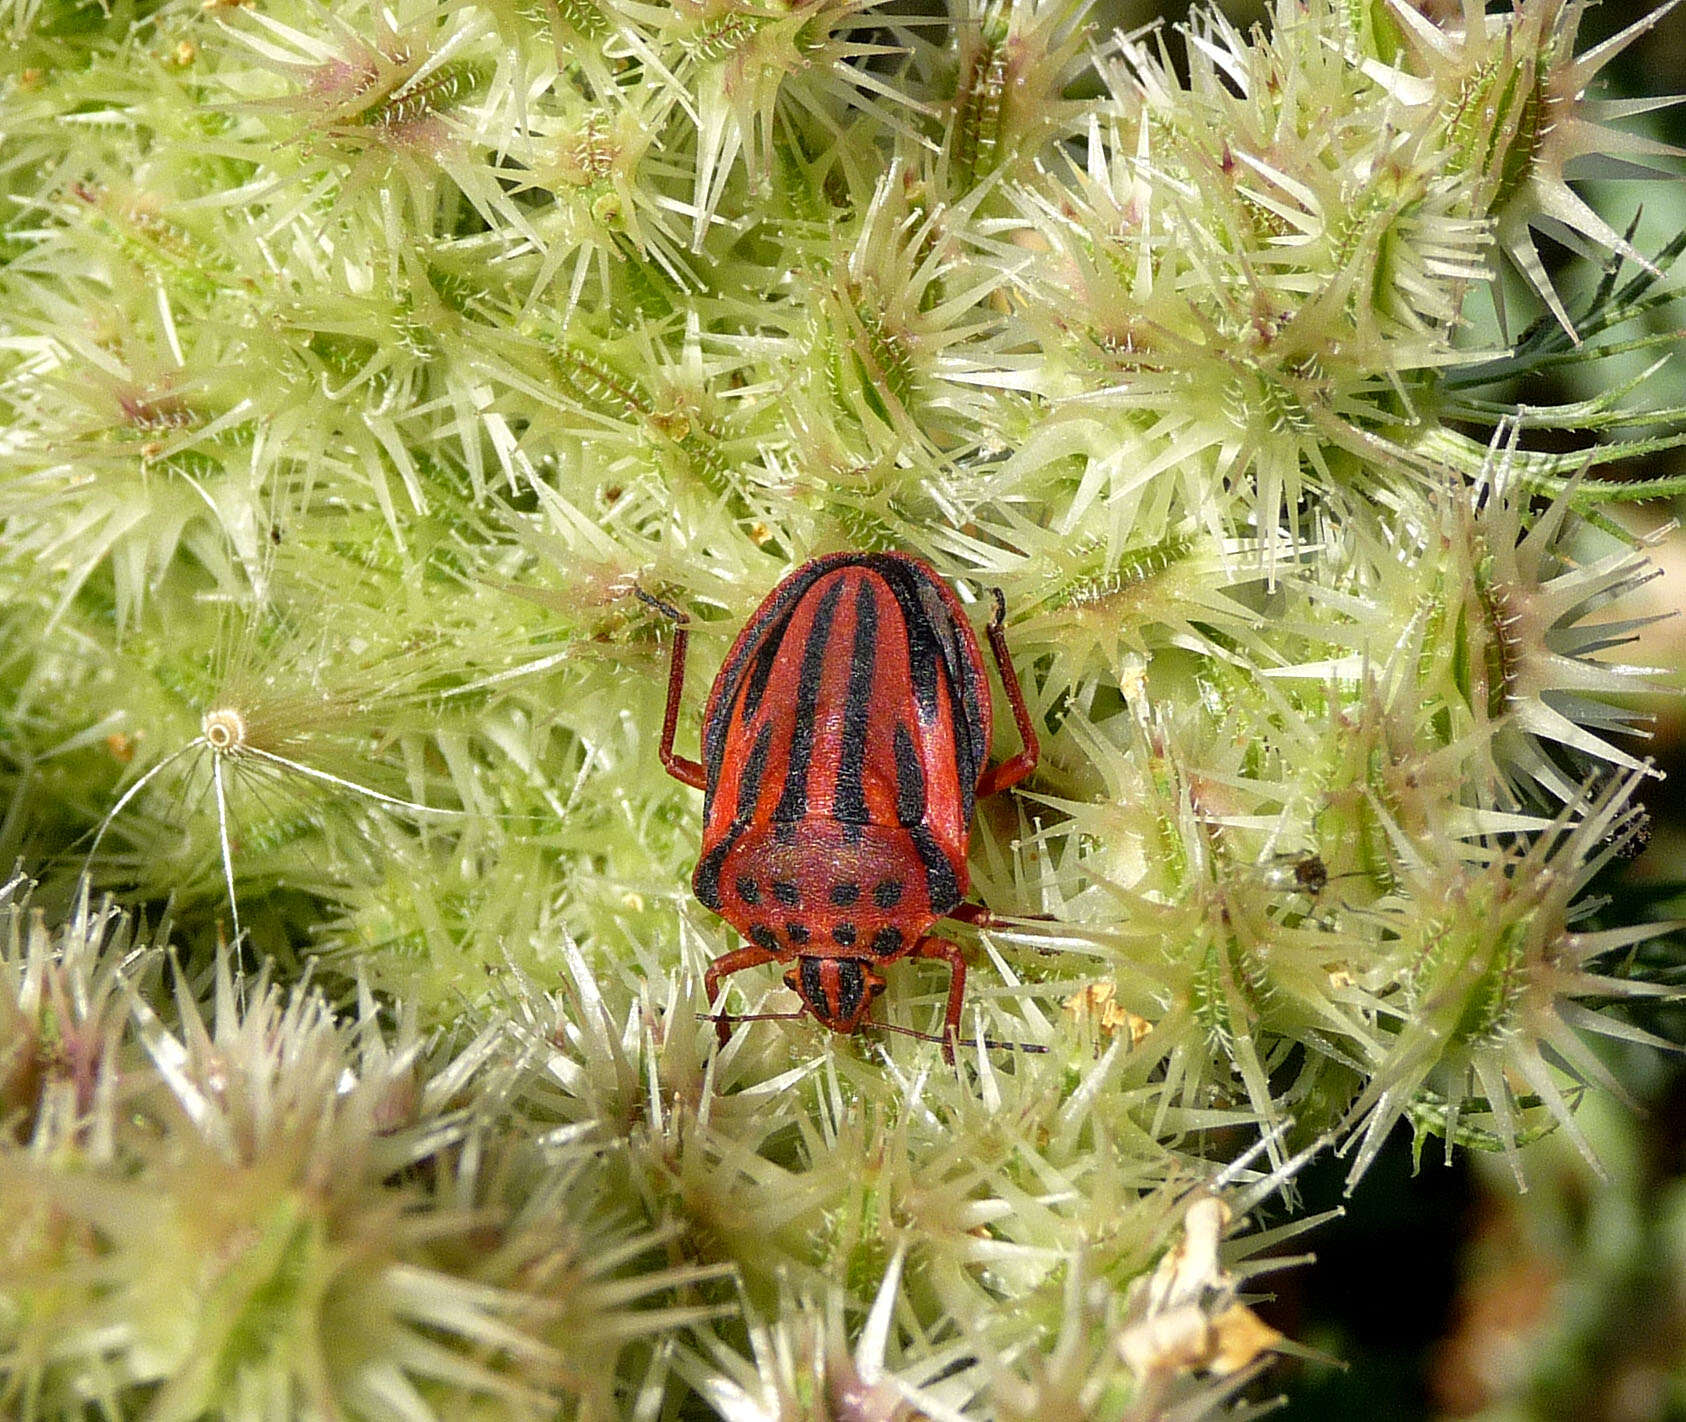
x=844 y=744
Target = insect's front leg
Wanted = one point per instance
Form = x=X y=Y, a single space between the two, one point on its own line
x=723 y=967
x=949 y=953
x=980 y=916
x=1009 y=772
x=690 y=772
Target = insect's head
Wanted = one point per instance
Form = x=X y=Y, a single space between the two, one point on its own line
x=837 y=991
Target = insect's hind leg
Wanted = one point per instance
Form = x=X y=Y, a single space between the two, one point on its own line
x=689 y=772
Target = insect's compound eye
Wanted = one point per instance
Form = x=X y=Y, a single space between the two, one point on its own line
x=224 y=729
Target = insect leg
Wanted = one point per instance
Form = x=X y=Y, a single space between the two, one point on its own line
x=950 y=954
x=981 y=916
x=1009 y=772
x=690 y=772
x=723 y=967
x=977 y=915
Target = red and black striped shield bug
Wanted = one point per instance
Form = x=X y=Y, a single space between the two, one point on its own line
x=844 y=744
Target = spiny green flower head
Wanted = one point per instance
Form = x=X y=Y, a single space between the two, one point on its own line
x=359 y=362
x=258 y=1210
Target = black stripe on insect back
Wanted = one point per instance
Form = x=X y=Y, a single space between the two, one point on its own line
x=760 y=672
x=849 y=803
x=941 y=887
x=924 y=650
x=793 y=795
x=706 y=881
x=763 y=635
x=749 y=787
x=934 y=642
x=910 y=779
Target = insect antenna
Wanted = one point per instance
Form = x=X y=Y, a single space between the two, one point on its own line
x=990 y=1042
x=729 y=1018
x=733 y=1017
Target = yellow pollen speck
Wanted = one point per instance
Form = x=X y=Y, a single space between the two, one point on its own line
x=1096 y=1001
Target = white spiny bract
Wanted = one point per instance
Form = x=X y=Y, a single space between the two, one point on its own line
x=358 y=361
